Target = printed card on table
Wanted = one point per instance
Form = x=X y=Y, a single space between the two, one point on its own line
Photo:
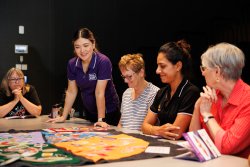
x=158 y=150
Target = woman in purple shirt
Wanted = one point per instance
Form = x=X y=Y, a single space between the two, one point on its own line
x=91 y=72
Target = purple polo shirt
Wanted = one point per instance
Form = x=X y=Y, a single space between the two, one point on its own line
x=100 y=68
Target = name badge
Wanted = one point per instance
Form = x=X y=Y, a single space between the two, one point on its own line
x=92 y=77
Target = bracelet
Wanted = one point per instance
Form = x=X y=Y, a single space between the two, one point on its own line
x=101 y=120
x=207 y=118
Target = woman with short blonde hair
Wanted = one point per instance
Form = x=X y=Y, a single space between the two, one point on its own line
x=136 y=99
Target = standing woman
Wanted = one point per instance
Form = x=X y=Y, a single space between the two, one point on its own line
x=172 y=109
x=223 y=109
x=16 y=97
x=91 y=72
x=137 y=99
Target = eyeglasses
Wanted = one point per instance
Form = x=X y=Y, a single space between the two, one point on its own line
x=14 y=80
x=128 y=77
x=203 y=68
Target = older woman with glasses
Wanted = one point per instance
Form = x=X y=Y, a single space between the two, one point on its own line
x=171 y=112
x=16 y=97
x=139 y=96
x=223 y=108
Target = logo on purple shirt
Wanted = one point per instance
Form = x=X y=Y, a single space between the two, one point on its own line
x=92 y=77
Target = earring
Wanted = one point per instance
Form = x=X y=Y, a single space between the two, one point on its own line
x=217 y=80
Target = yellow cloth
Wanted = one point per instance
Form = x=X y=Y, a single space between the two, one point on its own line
x=108 y=147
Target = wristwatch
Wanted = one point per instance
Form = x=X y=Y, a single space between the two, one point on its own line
x=206 y=119
x=101 y=120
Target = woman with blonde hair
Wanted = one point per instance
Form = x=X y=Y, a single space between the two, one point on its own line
x=137 y=99
x=16 y=97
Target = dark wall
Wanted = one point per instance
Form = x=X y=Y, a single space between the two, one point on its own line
x=37 y=19
x=121 y=27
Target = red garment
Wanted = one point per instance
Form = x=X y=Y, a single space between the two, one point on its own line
x=234 y=119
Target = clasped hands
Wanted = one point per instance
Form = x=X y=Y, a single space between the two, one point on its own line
x=207 y=98
x=18 y=94
x=168 y=131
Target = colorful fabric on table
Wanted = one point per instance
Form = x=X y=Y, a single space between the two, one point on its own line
x=70 y=136
x=49 y=155
x=21 y=138
x=106 y=147
x=76 y=129
x=38 y=154
x=57 y=135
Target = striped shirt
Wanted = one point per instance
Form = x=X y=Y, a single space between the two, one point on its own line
x=134 y=111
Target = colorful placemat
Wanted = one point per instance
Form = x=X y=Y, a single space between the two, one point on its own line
x=105 y=147
x=21 y=138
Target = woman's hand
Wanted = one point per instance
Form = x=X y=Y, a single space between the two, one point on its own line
x=210 y=93
x=56 y=120
x=17 y=93
x=168 y=131
x=101 y=124
x=207 y=98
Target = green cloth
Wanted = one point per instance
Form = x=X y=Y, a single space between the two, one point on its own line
x=59 y=153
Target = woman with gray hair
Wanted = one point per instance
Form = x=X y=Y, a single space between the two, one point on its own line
x=223 y=109
x=16 y=97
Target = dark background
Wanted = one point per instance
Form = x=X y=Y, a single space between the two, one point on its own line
x=120 y=27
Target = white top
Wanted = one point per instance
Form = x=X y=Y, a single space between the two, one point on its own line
x=134 y=111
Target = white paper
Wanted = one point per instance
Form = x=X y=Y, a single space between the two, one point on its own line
x=158 y=149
